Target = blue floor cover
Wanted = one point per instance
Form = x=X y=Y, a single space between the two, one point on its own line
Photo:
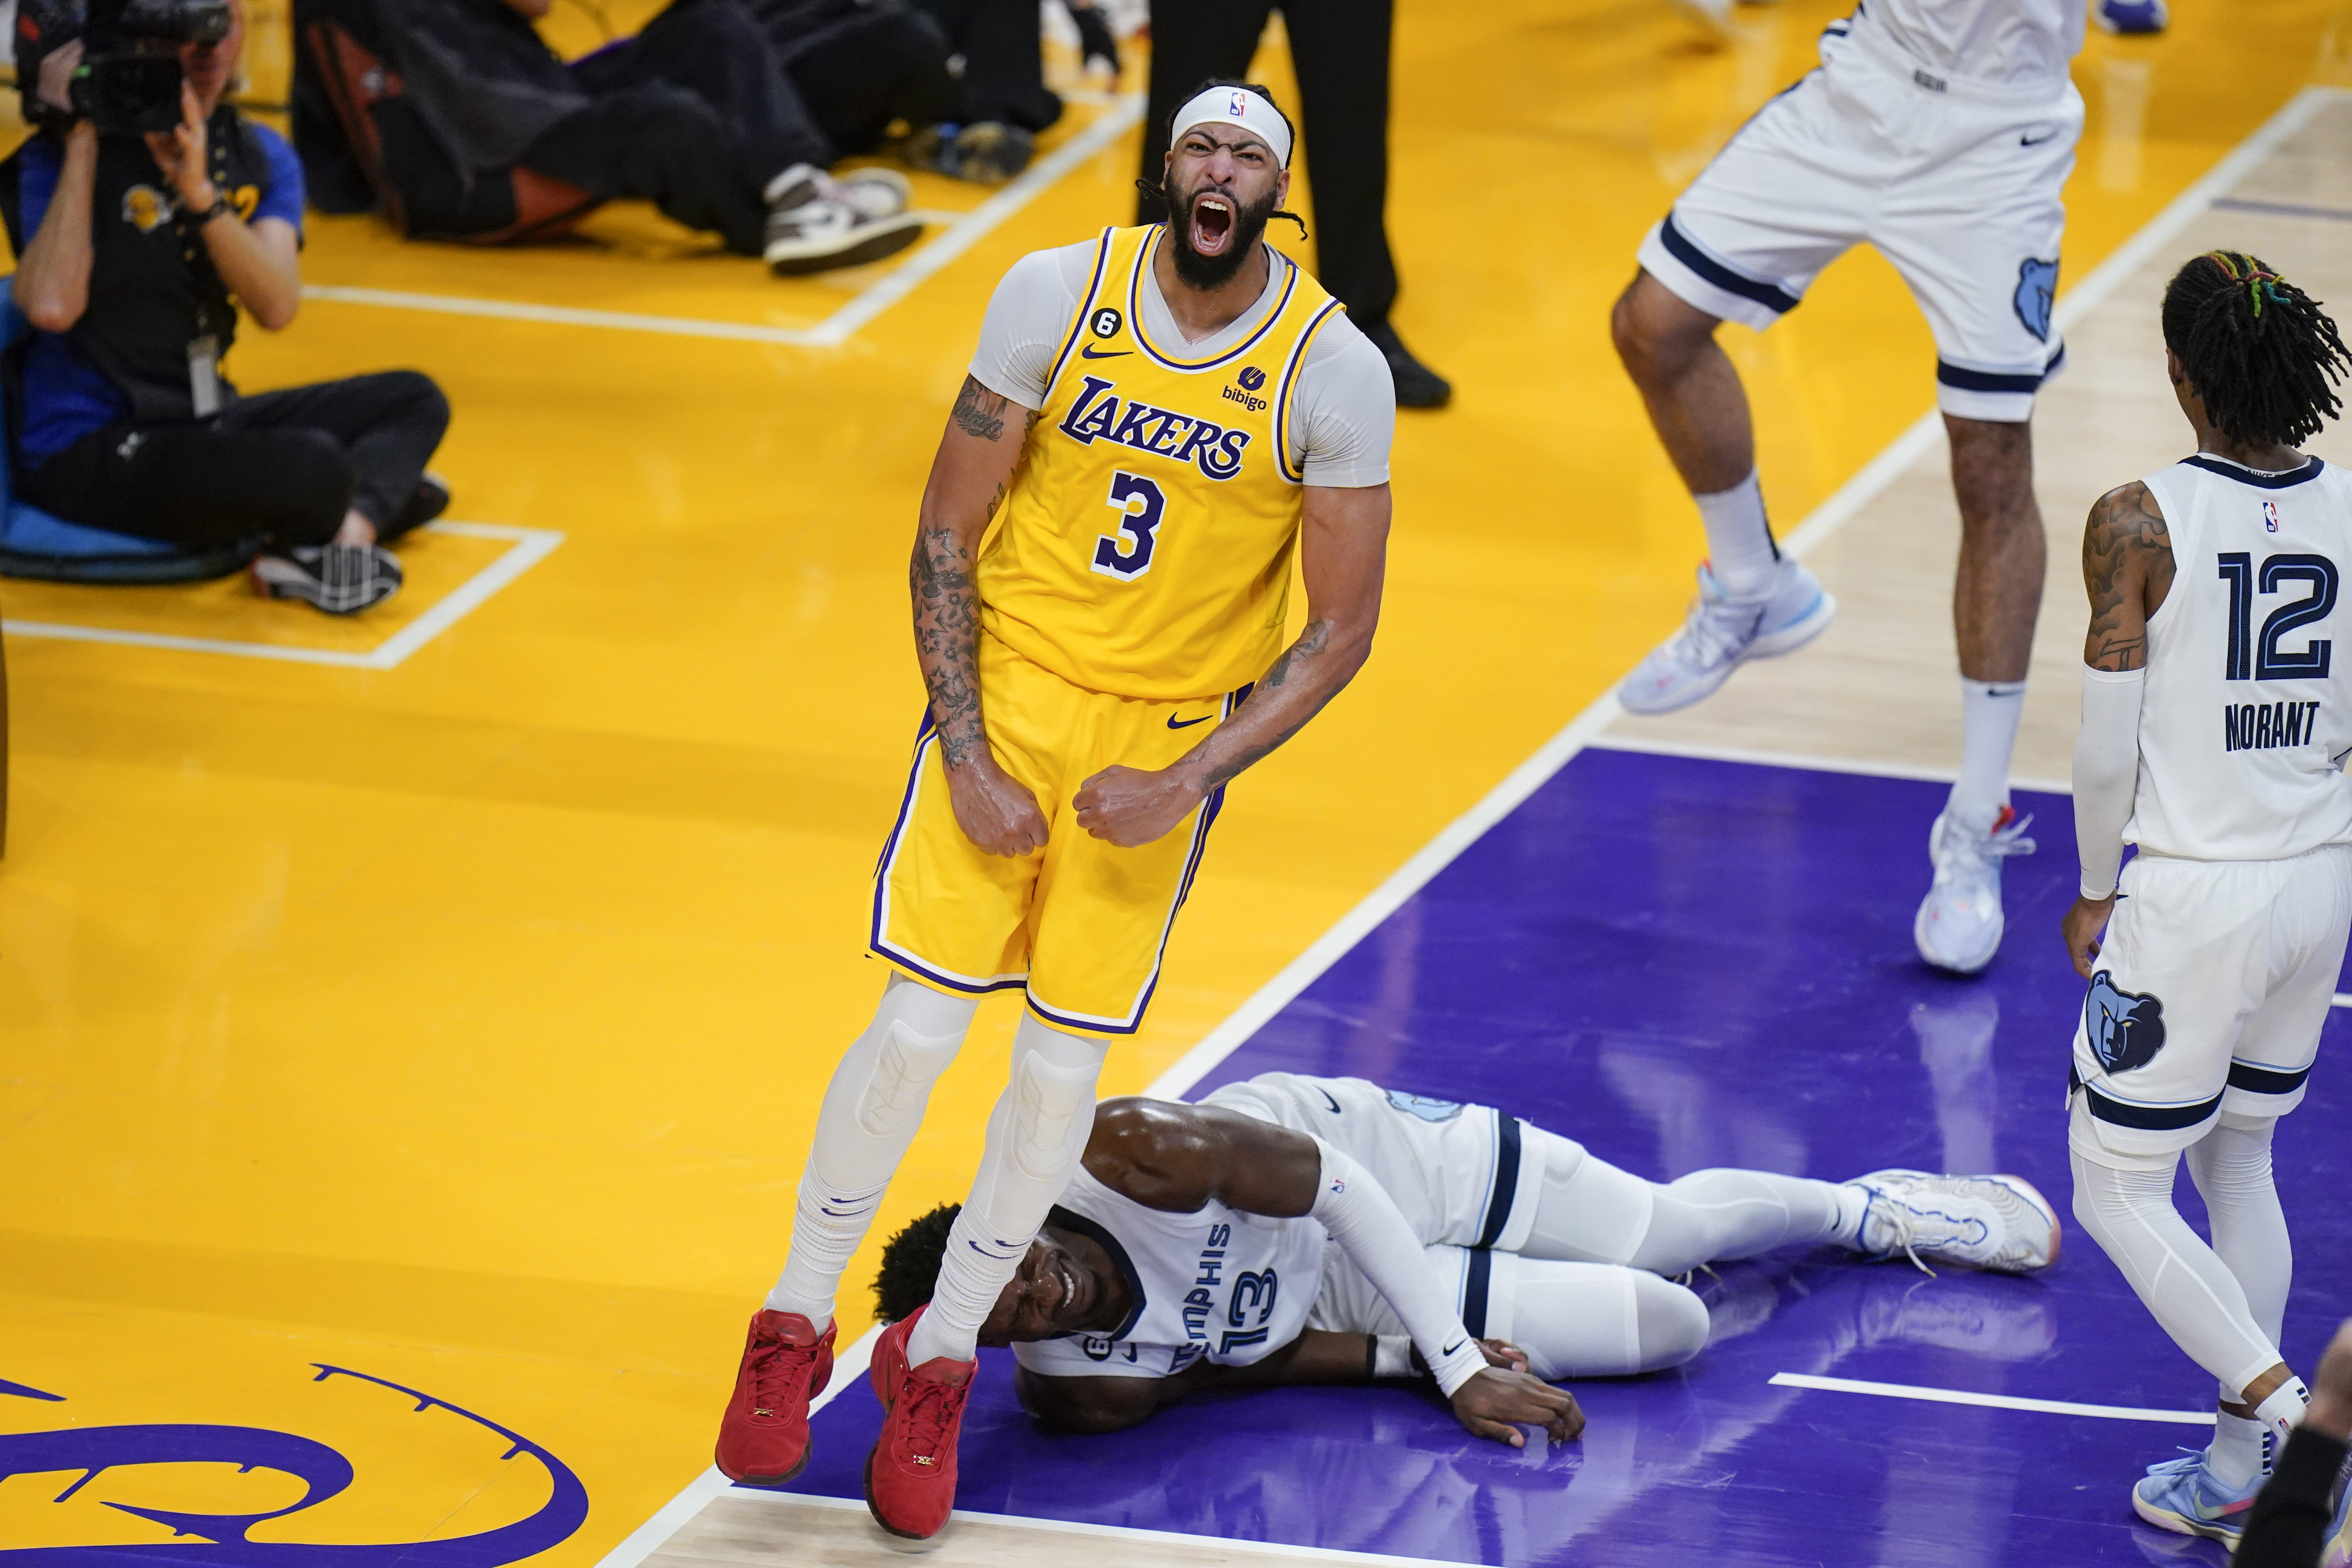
x=1686 y=963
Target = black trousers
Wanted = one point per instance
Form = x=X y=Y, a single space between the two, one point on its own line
x=858 y=66
x=1004 y=61
x=1340 y=49
x=285 y=465
x=695 y=114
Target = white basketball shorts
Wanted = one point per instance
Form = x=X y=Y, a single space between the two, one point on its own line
x=2208 y=996
x=1956 y=183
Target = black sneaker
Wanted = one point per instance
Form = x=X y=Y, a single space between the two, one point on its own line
x=986 y=153
x=339 y=579
x=1417 y=385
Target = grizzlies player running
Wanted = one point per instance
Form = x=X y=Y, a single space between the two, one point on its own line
x=1192 y=1250
x=1940 y=131
x=1163 y=416
x=2217 y=713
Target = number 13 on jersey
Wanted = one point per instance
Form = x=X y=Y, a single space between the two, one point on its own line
x=1126 y=551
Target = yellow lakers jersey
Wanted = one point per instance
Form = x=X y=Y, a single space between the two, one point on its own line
x=1145 y=547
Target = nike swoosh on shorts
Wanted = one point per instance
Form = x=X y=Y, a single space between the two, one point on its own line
x=1174 y=724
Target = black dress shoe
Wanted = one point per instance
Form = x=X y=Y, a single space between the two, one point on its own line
x=1417 y=385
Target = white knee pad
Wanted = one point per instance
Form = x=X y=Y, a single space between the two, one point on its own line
x=1053 y=1097
x=916 y=1033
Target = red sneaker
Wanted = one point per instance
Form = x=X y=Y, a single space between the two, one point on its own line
x=911 y=1475
x=763 y=1438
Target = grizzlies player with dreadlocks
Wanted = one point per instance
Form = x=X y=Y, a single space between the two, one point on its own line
x=2216 y=717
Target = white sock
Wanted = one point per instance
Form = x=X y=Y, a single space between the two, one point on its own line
x=870 y=1113
x=1739 y=540
x=1853 y=1202
x=1988 y=713
x=1035 y=1135
x=2236 y=1455
x=2282 y=1412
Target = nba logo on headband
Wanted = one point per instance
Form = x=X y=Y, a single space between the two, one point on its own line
x=1238 y=107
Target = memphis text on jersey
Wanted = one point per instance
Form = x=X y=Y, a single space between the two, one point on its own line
x=1251 y=1288
x=1098 y=413
x=2267 y=726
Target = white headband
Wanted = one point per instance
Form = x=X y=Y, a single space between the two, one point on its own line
x=1237 y=106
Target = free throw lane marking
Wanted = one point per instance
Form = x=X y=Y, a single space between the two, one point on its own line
x=923 y=263
x=1993 y=1401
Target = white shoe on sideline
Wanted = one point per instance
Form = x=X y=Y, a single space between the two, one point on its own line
x=1959 y=921
x=1997 y=1223
x=1720 y=634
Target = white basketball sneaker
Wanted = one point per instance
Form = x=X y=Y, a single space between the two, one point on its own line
x=1960 y=922
x=1720 y=634
x=1996 y=1222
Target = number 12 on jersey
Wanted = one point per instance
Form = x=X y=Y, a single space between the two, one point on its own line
x=1125 y=552
x=2249 y=658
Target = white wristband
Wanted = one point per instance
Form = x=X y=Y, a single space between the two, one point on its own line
x=1392 y=1355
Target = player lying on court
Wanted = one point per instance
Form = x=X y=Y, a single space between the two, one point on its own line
x=1192 y=1250
x=1156 y=421
x=2215 y=725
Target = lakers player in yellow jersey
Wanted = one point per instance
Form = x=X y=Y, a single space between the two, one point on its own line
x=1156 y=422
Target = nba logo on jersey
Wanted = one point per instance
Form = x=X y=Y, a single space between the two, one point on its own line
x=2270 y=516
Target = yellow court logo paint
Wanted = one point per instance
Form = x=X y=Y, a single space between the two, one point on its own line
x=119 y=1463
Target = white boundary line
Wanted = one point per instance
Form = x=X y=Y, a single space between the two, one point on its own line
x=1523 y=781
x=1991 y=1401
x=924 y=263
x=1117 y=1532
x=1867 y=769
x=531 y=546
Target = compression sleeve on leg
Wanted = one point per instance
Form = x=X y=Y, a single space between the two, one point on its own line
x=869 y=1117
x=1369 y=1226
x=2107 y=772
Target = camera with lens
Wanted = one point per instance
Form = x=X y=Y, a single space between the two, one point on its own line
x=129 y=81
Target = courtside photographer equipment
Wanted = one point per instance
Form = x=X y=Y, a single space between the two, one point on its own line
x=129 y=80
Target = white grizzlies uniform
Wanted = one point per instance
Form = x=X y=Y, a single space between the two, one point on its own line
x=1940 y=131
x=1233 y=1287
x=2223 y=951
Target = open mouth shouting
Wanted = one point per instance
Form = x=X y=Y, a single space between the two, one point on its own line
x=1212 y=223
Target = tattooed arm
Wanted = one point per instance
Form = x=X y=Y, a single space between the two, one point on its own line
x=978 y=453
x=2128 y=569
x=1343 y=549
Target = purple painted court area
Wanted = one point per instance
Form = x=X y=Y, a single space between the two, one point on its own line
x=1686 y=963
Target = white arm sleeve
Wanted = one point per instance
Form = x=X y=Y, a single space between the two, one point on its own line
x=1347 y=410
x=1026 y=318
x=2107 y=772
x=1367 y=1224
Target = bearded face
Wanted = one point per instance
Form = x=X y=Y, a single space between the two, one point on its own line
x=1220 y=194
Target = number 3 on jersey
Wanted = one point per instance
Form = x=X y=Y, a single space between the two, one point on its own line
x=1126 y=553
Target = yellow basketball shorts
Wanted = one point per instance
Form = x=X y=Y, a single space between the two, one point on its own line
x=1079 y=925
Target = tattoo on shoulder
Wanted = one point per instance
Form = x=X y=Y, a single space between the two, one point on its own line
x=2127 y=566
x=979 y=413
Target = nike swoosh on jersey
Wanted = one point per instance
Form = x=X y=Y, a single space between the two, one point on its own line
x=1088 y=351
x=2033 y=140
x=1174 y=723
x=1328 y=1100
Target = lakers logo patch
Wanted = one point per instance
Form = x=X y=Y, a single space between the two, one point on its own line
x=144 y=209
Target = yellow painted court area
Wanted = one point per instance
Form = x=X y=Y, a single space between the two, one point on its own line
x=460 y=1021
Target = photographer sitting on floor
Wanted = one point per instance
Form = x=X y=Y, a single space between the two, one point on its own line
x=153 y=212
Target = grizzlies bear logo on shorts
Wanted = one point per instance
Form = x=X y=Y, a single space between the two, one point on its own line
x=1421 y=1105
x=2126 y=1029
x=2037 y=288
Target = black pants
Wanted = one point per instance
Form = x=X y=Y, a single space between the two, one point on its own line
x=1004 y=61
x=1340 y=49
x=859 y=67
x=284 y=466
x=695 y=114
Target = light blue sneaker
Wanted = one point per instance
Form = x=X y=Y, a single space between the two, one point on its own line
x=2337 y=1552
x=1721 y=634
x=2181 y=1496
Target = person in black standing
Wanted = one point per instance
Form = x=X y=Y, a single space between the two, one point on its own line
x=136 y=253
x=1340 y=49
